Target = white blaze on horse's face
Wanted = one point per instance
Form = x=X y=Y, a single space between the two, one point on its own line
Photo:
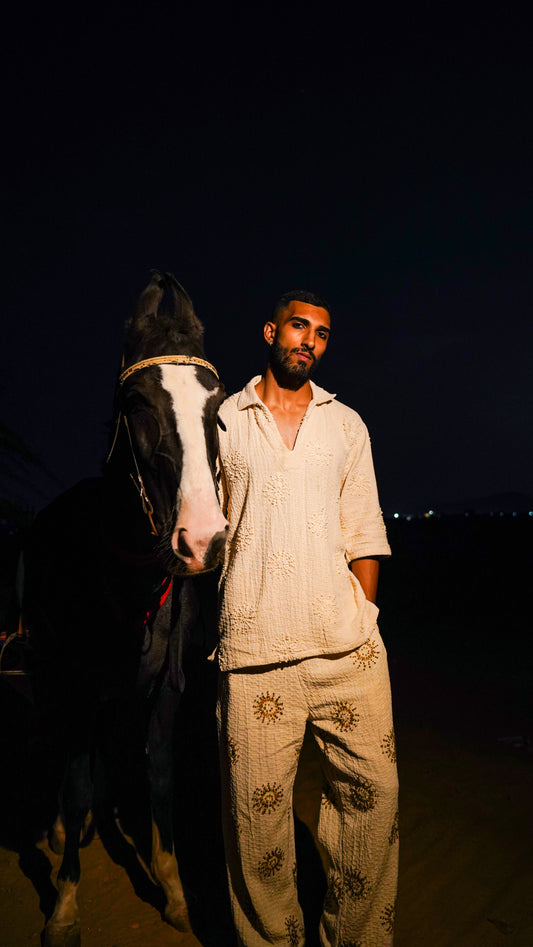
x=200 y=520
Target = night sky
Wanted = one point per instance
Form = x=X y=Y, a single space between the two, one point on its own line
x=381 y=162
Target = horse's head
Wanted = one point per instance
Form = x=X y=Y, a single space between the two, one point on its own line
x=169 y=397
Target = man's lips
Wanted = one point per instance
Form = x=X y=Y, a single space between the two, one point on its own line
x=306 y=355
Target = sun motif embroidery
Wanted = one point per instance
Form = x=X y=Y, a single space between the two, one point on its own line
x=267 y=798
x=276 y=490
x=395 y=830
x=345 y=716
x=359 y=484
x=268 y=708
x=281 y=563
x=271 y=863
x=334 y=894
x=387 y=917
x=366 y=655
x=356 y=884
x=294 y=930
x=317 y=523
x=388 y=746
x=233 y=751
x=326 y=799
x=364 y=794
x=325 y=608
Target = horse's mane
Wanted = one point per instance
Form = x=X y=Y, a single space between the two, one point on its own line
x=164 y=320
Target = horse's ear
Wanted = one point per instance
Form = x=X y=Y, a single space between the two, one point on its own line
x=148 y=301
x=183 y=307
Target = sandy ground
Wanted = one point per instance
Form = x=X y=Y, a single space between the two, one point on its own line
x=466 y=876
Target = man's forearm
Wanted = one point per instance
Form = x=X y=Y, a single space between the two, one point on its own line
x=367 y=571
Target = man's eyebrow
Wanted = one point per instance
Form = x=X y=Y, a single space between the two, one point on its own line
x=307 y=322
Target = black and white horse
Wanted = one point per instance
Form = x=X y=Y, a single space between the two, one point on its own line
x=109 y=599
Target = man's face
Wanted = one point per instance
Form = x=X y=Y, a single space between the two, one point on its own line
x=298 y=340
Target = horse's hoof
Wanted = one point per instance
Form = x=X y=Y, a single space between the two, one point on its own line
x=178 y=917
x=62 y=935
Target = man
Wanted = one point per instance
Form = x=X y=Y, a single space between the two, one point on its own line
x=299 y=646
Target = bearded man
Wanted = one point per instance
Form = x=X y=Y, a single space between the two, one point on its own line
x=300 y=648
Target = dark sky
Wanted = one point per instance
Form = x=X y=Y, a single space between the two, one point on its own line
x=385 y=164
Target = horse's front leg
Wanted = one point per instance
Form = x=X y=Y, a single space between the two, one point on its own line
x=63 y=928
x=160 y=776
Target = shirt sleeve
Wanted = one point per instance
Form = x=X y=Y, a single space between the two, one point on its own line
x=362 y=523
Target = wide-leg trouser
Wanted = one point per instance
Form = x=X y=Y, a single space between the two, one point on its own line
x=262 y=716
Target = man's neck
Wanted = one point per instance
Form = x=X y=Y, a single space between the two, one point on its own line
x=281 y=399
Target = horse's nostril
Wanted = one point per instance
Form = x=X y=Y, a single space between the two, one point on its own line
x=183 y=548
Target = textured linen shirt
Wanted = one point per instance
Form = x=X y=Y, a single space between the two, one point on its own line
x=297 y=519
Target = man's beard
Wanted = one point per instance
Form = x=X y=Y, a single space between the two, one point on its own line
x=290 y=374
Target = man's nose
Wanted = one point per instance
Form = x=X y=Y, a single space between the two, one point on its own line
x=309 y=340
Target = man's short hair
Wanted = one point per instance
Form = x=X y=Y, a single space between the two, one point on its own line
x=299 y=295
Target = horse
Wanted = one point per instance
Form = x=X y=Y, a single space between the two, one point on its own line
x=109 y=600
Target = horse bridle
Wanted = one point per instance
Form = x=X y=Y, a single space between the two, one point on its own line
x=146 y=363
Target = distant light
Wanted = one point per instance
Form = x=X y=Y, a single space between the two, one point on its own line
x=397 y=516
x=431 y=512
x=531 y=512
x=501 y=514
x=514 y=514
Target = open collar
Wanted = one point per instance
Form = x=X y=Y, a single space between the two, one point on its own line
x=248 y=396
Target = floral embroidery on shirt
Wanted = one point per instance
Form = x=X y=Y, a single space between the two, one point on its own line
x=345 y=716
x=270 y=863
x=267 y=798
x=294 y=930
x=366 y=655
x=242 y=537
x=268 y=708
x=352 y=430
x=364 y=793
x=356 y=884
x=388 y=746
x=359 y=484
x=325 y=607
x=317 y=522
x=395 y=830
x=318 y=453
x=235 y=466
x=242 y=615
x=387 y=917
x=281 y=563
x=276 y=490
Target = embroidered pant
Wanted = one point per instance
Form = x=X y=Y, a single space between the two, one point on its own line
x=262 y=716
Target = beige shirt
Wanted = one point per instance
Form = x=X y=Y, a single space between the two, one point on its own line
x=297 y=519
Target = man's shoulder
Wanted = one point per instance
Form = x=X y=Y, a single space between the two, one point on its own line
x=239 y=399
x=229 y=405
x=344 y=413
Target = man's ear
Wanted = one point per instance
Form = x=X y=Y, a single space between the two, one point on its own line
x=269 y=332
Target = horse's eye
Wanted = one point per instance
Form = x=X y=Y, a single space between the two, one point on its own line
x=220 y=423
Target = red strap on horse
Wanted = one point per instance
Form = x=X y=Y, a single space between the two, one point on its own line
x=166 y=586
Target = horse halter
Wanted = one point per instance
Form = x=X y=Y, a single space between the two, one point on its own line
x=146 y=363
